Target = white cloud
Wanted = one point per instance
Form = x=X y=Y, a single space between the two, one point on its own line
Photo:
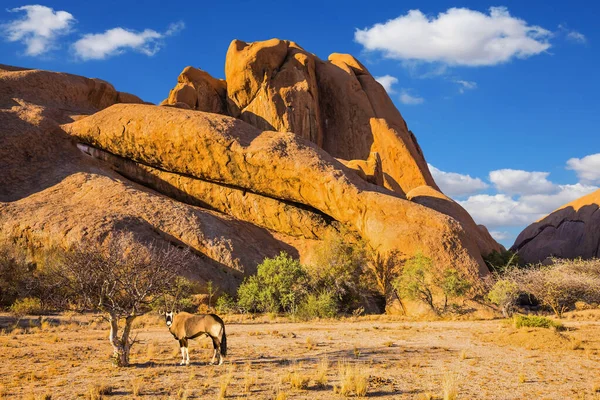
x=407 y=98
x=465 y=85
x=387 y=81
x=459 y=36
x=514 y=181
x=456 y=185
x=175 y=28
x=504 y=210
x=500 y=235
x=587 y=168
x=115 y=41
x=495 y=210
x=576 y=37
x=543 y=204
x=39 y=28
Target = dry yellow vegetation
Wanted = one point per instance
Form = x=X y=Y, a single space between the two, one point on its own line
x=68 y=357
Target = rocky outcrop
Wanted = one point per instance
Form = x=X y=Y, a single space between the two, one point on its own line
x=198 y=91
x=569 y=232
x=267 y=212
x=336 y=104
x=281 y=165
x=288 y=149
x=51 y=194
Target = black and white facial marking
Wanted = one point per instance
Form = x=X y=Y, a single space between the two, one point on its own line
x=169 y=318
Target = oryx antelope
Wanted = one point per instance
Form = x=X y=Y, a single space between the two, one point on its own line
x=185 y=326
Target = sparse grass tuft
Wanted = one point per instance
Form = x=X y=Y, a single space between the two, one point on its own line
x=352 y=381
x=224 y=384
x=320 y=378
x=310 y=344
x=136 y=386
x=536 y=321
x=449 y=386
x=98 y=391
x=388 y=343
x=280 y=395
x=249 y=379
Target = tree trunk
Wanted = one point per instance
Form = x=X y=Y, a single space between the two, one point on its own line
x=121 y=346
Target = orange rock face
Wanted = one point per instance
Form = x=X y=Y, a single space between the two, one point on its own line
x=336 y=104
x=52 y=194
x=281 y=165
x=288 y=149
x=571 y=231
x=199 y=91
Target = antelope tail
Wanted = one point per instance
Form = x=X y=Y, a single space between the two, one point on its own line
x=223 y=342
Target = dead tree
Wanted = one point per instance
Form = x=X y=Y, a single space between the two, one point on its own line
x=121 y=279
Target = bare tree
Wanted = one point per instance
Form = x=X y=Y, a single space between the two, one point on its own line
x=121 y=279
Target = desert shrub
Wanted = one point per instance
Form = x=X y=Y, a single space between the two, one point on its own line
x=535 y=321
x=499 y=262
x=504 y=294
x=279 y=285
x=322 y=305
x=339 y=267
x=421 y=280
x=562 y=284
x=226 y=304
x=15 y=274
x=26 y=306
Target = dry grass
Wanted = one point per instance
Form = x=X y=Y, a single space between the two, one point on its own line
x=98 y=391
x=136 y=386
x=225 y=382
x=310 y=344
x=450 y=386
x=249 y=379
x=352 y=380
x=269 y=352
x=320 y=378
x=296 y=378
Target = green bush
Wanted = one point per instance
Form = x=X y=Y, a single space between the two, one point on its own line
x=499 y=262
x=226 y=304
x=535 y=321
x=323 y=305
x=339 y=266
x=504 y=294
x=279 y=285
x=27 y=306
x=421 y=280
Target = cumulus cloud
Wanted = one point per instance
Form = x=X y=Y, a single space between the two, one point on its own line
x=115 y=41
x=504 y=210
x=514 y=181
x=456 y=185
x=38 y=29
x=387 y=81
x=587 y=168
x=458 y=36
x=407 y=98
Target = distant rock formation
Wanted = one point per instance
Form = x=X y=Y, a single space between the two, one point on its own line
x=571 y=231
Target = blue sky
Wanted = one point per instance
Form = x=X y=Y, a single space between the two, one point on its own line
x=503 y=97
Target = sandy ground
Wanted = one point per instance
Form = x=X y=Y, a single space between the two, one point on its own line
x=401 y=360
